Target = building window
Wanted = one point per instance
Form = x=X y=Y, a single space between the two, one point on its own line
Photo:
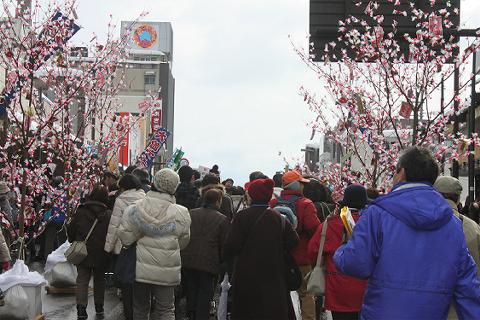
x=149 y=78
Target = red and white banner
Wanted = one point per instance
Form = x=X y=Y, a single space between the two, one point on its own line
x=156 y=119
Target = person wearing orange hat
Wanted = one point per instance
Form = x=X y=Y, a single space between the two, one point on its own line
x=307 y=224
x=257 y=239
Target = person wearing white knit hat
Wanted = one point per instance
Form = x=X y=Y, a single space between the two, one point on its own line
x=166 y=181
x=160 y=228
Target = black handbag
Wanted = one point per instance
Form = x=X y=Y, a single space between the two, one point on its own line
x=293 y=275
x=125 y=267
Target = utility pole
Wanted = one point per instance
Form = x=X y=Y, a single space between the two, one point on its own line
x=471 y=130
x=456 y=105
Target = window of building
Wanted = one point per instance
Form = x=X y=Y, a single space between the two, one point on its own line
x=149 y=78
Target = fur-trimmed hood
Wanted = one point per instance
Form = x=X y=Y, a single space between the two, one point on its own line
x=161 y=229
x=152 y=215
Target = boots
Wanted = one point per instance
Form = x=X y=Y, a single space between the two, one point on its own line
x=82 y=312
x=99 y=311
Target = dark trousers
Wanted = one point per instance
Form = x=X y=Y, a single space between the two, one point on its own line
x=54 y=236
x=200 y=288
x=318 y=307
x=127 y=300
x=344 y=315
x=83 y=279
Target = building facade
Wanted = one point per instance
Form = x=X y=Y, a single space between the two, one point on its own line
x=148 y=77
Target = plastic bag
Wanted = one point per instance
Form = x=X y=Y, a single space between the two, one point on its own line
x=64 y=274
x=59 y=272
x=19 y=274
x=296 y=304
x=16 y=304
x=222 y=302
x=56 y=256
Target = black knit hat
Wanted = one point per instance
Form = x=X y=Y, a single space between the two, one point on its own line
x=355 y=196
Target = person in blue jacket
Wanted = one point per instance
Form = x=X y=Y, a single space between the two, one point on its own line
x=412 y=249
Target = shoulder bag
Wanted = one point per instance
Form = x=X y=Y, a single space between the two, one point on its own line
x=78 y=249
x=316 y=278
x=125 y=267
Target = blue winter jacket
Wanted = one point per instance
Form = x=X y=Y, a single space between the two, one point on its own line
x=412 y=250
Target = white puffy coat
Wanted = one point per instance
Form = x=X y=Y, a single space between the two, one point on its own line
x=161 y=229
x=125 y=199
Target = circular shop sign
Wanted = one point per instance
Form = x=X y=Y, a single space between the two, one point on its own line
x=145 y=36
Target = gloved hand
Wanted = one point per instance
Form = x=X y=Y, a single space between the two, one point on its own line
x=5 y=265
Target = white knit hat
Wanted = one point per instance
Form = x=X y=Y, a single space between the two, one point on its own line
x=167 y=181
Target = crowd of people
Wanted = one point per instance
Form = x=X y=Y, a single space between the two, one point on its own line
x=411 y=255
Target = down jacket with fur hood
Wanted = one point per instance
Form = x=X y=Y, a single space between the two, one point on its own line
x=125 y=199
x=161 y=229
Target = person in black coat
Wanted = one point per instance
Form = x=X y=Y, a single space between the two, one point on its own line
x=97 y=261
x=187 y=193
x=257 y=240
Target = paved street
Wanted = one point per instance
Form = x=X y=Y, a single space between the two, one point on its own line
x=62 y=307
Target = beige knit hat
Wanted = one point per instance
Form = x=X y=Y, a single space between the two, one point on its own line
x=167 y=181
x=4 y=187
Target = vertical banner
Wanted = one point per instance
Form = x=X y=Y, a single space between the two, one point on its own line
x=153 y=148
x=123 y=155
x=142 y=136
x=156 y=120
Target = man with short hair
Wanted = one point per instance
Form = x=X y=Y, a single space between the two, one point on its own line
x=412 y=250
x=307 y=224
x=187 y=194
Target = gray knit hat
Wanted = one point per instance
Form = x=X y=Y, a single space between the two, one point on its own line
x=167 y=181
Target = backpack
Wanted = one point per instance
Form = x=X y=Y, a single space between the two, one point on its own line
x=287 y=209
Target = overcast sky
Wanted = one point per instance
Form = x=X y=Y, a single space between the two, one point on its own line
x=237 y=77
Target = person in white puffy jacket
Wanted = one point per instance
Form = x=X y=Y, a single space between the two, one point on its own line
x=131 y=191
x=161 y=228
